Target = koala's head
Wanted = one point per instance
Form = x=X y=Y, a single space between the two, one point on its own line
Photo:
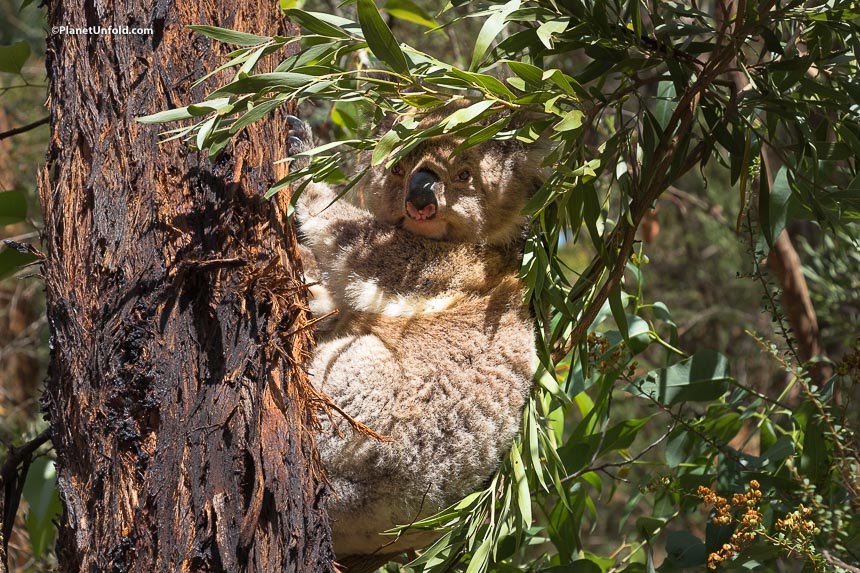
x=476 y=196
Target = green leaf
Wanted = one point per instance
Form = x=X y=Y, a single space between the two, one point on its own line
x=40 y=491
x=410 y=12
x=11 y=261
x=578 y=566
x=204 y=131
x=638 y=334
x=12 y=57
x=773 y=203
x=257 y=112
x=815 y=460
x=480 y=136
x=421 y=100
x=665 y=106
x=379 y=38
x=466 y=114
x=565 y=82
x=571 y=120
x=490 y=31
x=548 y=29
x=682 y=446
x=208 y=107
x=532 y=75
x=616 y=305
x=777 y=453
x=485 y=81
x=481 y=557
x=385 y=146
x=648 y=526
x=231 y=36
x=168 y=115
x=321 y=24
x=684 y=549
x=219 y=139
x=700 y=378
x=618 y=437
x=277 y=81
x=524 y=500
x=13 y=207
x=327 y=146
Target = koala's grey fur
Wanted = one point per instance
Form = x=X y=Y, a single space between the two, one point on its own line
x=432 y=345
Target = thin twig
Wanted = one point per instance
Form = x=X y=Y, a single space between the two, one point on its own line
x=623 y=463
x=24 y=128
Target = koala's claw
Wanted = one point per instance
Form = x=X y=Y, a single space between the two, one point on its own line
x=299 y=139
x=301 y=133
x=295 y=145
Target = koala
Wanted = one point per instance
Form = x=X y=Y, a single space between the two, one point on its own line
x=432 y=346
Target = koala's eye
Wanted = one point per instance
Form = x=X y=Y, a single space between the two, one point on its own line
x=464 y=175
x=397 y=169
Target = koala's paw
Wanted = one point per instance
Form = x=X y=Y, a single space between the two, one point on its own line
x=299 y=140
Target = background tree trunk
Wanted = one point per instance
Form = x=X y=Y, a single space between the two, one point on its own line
x=179 y=408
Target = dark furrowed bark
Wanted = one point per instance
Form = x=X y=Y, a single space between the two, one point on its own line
x=179 y=407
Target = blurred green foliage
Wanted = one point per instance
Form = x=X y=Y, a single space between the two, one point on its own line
x=23 y=331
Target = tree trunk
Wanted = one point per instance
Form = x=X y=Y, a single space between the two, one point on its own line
x=179 y=407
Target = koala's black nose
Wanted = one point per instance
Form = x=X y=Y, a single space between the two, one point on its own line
x=421 y=201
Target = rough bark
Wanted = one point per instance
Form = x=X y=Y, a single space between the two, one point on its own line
x=785 y=262
x=178 y=403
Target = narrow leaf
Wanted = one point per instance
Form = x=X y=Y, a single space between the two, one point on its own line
x=315 y=23
x=384 y=147
x=257 y=112
x=168 y=115
x=231 y=36
x=410 y=12
x=571 y=120
x=490 y=31
x=379 y=38
x=466 y=114
x=277 y=81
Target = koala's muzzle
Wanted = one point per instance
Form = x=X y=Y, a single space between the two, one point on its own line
x=421 y=203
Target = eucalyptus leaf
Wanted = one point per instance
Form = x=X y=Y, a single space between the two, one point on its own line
x=701 y=378
x=490 y=31
x=410 y=12
x=379 y=37
x=231 y=36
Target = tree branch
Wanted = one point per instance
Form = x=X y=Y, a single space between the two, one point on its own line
x=24 y=128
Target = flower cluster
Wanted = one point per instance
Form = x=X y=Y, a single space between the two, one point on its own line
x=659 y=483
x=599 y=354
x=798 y=524
x=742 y=510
